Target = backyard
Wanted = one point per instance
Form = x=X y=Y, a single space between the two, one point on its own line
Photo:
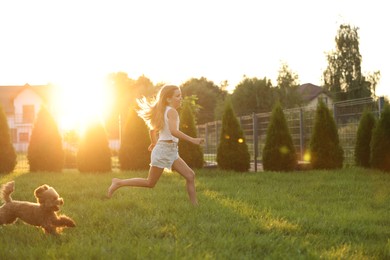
x=343 y=214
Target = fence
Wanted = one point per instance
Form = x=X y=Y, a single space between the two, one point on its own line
x=300 y=122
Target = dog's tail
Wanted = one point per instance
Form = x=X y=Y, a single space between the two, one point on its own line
x=6 y=190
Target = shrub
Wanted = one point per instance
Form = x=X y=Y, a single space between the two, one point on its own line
x=192 y=154
x=232 y=152
x=94 y=154
x=7 y=150
x=380 y=142
x=133 y=152
x=279 y=151
x=363 y=139
x=45 y=152
x=325 y=149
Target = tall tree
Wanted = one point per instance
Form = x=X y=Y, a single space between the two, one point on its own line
x=45 y=152
x=207 y=93
x=253 y=95
x=343 y=76
x=287 y=84
x=7 y=150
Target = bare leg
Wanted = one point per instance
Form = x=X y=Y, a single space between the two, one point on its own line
x=184 y=170
x=150 y=182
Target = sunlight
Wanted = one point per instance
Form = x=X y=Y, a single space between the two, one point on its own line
x=80 y=102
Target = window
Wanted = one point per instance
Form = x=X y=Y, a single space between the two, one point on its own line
x=28 y=113
x=23 y=137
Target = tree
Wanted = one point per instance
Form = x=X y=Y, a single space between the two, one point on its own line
x=192 y=154
x=133 y=153
x=45 y=152
x=380 y=142
x=287 y=84
x=343 y=76
x=253 y=95
x=7 y=150
x=94 y=154
x=325 y=149
x=207 y=93
x=279 y=151
x=363 y=139
x=232 y=152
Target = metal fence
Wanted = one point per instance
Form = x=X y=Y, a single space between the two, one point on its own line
x=300 y=122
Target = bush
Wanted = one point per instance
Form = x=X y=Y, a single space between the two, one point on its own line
x=133 y=152
x=94 y=154
x=325 y=149
x=232 y=153
x=380 y=142
x=363 y=139
x=191 y=153
x=7 y=150
x=279 y=151
x=45 y=152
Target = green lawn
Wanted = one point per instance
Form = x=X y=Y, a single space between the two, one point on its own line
x=341 y=214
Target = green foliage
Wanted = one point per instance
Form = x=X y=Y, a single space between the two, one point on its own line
x=207 y=93
x=232 y=153
x=133 y=153
x=279 y=151
x=253 y=95
x=341 y=214
x=287 y=84
x=94 y=154
x=380 y=143
x=363 y=139
x=45 y=152
x=326 y=151
x=192 y=154
x=7 y=151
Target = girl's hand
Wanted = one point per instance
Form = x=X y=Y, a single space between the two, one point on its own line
x=198 y=141
x=151 y=146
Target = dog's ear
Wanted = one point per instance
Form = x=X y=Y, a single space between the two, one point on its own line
x=38 y=191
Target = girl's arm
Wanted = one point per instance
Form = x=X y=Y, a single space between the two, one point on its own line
x=153 y=139
x=173 y=117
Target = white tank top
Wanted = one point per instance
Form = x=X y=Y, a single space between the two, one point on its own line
x=165 y=133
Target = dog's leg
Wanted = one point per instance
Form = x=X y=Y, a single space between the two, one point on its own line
x=64 y=221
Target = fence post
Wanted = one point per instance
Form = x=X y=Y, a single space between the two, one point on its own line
x=301 y=133
x=380 y=105
x=255 y=140
x=206 y=139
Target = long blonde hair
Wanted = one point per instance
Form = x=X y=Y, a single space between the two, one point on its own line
x=152 y=112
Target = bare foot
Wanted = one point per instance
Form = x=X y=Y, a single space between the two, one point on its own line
x=113 y=187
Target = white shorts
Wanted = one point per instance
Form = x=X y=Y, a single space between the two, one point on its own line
x=164 y=154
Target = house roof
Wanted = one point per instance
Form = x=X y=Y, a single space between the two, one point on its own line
x=9 y=93
x=310 y=91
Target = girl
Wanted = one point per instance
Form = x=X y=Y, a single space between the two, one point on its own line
x=162 y=119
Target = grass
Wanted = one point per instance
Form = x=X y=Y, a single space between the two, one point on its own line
x=342 y=214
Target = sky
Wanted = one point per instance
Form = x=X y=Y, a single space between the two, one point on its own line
x=73 y=43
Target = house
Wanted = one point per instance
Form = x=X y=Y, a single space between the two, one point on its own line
x=312 y=94
x=21 y=105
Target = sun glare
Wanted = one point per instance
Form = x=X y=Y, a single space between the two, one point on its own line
x=79 y=103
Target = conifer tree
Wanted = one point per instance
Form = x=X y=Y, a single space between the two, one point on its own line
x=279 y=151
x=133 y=152
x=94 y=154
x=363 y=139
x=192 y=154
x=232 y=152
x=7 y=150
x=325 y=149
x=45 y=152
x=380 y=142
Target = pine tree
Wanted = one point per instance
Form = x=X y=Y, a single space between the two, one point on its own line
x=232 y=153
x=192 y=154
x=94 y=154
x=279 y=151
x=45 y=152
x=133 y=153
x=325 y=149
x=7 y=150
x=363 y=139
x=380 y=142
